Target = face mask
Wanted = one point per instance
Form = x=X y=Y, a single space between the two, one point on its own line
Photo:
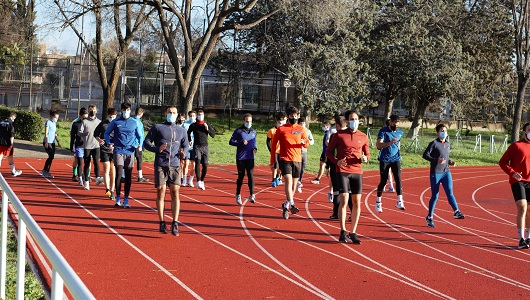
x=354 y=124
x=126 y=114
x=171 y=118
x=192 y=119
x=91 y=113
x=54 y=120
x=180 y=121
x=292 y=120
x=443 y=134
x=528 y=135
x=111 y=119
x=248 y=125
x=324 y=128
x=200 y=117
x=393 y=127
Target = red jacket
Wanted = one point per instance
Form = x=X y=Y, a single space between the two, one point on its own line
x=516 y=159
x=351 y=146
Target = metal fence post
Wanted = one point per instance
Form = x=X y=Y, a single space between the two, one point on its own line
x=3 y=258
x=57 y=286
x=21 y=259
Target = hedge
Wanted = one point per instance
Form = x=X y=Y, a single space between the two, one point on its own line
x=29 y=125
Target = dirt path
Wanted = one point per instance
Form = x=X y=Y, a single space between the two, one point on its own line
x=29 y=149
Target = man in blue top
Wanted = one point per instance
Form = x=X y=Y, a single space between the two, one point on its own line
x=244 y=138
x=139 y=113
x=169 y=141
x=387 y=143
x=126 y=138
x=50 y=137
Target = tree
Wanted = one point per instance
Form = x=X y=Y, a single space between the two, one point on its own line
x=189 y=48
x=125 y=18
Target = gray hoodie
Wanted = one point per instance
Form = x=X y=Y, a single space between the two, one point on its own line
x=87 y=132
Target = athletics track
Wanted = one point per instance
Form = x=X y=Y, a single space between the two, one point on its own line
x=227 y=251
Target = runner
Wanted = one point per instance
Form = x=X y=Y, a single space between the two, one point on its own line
x=352 y=149
x=200 y=131
x=7 y=139
x=387 y=143
x=301 y=122
x=106 y=156
x=190 y=157
x=437 y=153
x=50 y=137
x=139 y=113
x=516 y=163
x=323 y=160
x=91 y=145
x=290 y=138
x=281 y=118
x=76 y=145
x=127 y=137
x=244 y=138
x=170 y=143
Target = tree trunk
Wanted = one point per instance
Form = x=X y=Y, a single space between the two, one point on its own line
x=418 y=118
x=522 y=82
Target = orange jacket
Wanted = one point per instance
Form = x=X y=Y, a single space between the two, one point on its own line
x=290 y=138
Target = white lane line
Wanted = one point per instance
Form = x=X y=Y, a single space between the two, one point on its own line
x=487 y=211
x=154 y=262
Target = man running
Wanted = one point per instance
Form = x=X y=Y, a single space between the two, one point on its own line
x=190 y=158
x=244 y=138
x=281 y=118
x=7 y=140
x=50 y=137
x=352 y=149
x=91 y=145
x=139 y=113
x=301 y=122
x=290 y=137
x=169 y=142
x=106 y=156
x=325 y=142
x=200 y=131
x=76 y=144
x=127 y=137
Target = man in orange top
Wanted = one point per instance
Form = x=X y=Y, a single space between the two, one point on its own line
x=281 y=118
x=352 y=149
x=290 y=137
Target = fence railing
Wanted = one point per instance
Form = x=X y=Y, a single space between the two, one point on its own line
x=62 y=273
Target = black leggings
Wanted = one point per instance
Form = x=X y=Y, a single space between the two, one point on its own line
x=94 y=154
x=80 y=169
x=138 y=155
x=127 y=183
x=304 y=162
x=51 y=155
x=242 y=166
x=384 y=167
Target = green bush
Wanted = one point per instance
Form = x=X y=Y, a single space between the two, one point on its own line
x=28 y=124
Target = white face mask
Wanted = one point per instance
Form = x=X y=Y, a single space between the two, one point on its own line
x=528 y=135
x=354 y=124
x=171 y=118
x=111 y=119
x=200 y=117
x=126 y=114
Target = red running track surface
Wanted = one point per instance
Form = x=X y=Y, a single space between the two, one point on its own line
x=229 y=251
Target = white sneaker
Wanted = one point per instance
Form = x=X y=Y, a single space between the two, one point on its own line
x=203 y=187
x=251 y=198
x=184 y=182
x=99 y=180
x=379 y=207
x=200 y=185
x=400 y=205
x=238 y=199
x=330 y=197
x=299 y=189
x=390 y=190
x=87 y=185
x=80 y=182
x=190 y=183
x=16 y=173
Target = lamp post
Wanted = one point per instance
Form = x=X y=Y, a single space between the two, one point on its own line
x=139 y=77
x=286 y=85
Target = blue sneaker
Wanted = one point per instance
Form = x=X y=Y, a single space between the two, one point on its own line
x=126 y=203
x=275 y=183
x=118 y=202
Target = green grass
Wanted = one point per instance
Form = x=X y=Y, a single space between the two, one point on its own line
x=222 y=153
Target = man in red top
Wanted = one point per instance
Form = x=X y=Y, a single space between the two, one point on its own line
x=351 y=146
x=516 y=163
x=290 y=137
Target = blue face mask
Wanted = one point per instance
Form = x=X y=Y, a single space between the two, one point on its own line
x=443 y=134
x=200 y=117
x=354 y=124
x=126 y=114
x=171 y=118
x=248 y=125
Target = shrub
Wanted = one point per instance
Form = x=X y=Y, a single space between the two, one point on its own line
x=28 y=124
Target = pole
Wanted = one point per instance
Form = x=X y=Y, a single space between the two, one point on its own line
x=139 y=79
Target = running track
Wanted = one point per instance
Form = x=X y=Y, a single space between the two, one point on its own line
x=249 y=252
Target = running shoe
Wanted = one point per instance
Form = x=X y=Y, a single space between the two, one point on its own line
x=400 y=205
x=175 y=229
x=99 y=180
x=126 y=203
x=330 y=197
x=190 y=183
x=430 y=222
x=280 y=182
x=80 y=183
x=118 y=202
x=354 y=239
x=299 y=188
x=163 y=227
x=294 y=209
x=143 y=179
x=344 y=237
x=390 y=190
x=16 y=173
x=238 y=199
x=285 y=213
x=251 y=198
x=315 y=181
x=200 y=185
x=458 y=215
x=334 y=217
x=87 y=186
x=74 y=178
x=523 y=244
x=527 y=242
x=274 y=183
x=108 y=193
x=378 y=206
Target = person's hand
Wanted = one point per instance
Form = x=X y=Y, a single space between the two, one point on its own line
x=341 y=162
x=46 y=145
x=364 y=158
x=162 y=147
x=182 y=155
x=517 y=176
x=245 y=142
x=191 y=143
x=441 y=161
x=101 y=142
x=111 y=147
x=394 y=140
x=254 y=150
x=452 y=163
x=206 y=126
x=139 y=148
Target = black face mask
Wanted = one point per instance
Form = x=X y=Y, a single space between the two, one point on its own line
x=393 y=127
x=91 y=113
x=292 y=120
x=179 y=121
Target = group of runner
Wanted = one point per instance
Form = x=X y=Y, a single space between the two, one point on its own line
x=116 y=141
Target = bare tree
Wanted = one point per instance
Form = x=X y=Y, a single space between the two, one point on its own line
x=190 y=48
x=124 y=17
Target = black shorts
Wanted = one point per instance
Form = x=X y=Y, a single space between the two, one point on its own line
x=520 y=190
x=200 y=155
x=106 y=157
x=350 y=183
x=167 y=175
x=323 y=158
x=291 y=167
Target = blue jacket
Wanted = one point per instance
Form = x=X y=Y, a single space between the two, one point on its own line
x=127 y=135
x=244 y=151
x=176 y=138
x=142 y=130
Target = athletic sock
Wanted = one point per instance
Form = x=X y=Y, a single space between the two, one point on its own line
x=12 y=168
x=520 y=231
x=140 y=174
x=287 y=204
x=291 y=202
x=74 y=169
x=191 y=179
x=528 y=233
x=400 y=197
x=378 y=199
